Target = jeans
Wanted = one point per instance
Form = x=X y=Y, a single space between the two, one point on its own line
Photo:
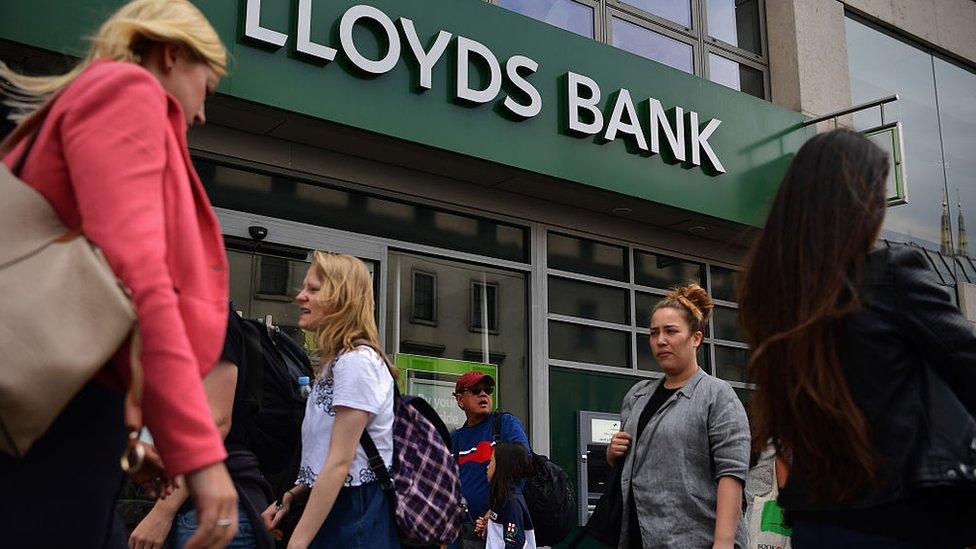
x=362 y=518
x=185 y=525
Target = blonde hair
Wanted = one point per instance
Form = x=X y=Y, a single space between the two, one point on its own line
x=126 y=36
x=693 y=300
x=346 y=299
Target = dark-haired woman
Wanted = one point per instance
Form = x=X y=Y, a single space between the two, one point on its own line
x=866 y=370
x=685 y=440
x=509 y=525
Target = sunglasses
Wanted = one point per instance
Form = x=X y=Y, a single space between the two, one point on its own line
x=478 y=391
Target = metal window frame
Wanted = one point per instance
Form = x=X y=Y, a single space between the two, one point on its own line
x=413 y=297
x=691 y=32
x=666 y=31
x=751 y=63
x=762 y=57
x=471 y=308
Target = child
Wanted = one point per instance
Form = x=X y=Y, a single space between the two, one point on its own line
x=509 y=524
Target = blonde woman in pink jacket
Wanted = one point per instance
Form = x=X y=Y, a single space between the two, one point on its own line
x=111 y=158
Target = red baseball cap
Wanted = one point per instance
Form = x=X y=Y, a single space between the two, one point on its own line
x=472 y=379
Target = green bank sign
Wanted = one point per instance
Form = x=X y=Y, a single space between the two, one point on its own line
x=475 y=79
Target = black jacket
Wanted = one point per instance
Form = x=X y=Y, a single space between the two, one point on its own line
x=909 y=356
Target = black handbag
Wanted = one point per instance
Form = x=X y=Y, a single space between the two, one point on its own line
x=467 y=539
x=608 y=516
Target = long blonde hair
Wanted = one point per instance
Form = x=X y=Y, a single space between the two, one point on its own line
x=346 y=299
x=126 y=36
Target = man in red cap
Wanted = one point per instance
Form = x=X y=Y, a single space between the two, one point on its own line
x=473 y=443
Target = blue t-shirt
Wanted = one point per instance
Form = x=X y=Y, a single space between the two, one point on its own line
x=510 y=527
x=473 y=447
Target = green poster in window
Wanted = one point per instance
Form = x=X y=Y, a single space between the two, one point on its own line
x=433 y=379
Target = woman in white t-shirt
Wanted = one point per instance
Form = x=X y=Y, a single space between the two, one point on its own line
x=353 y=392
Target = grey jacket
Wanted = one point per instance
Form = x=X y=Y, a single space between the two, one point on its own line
x=699 y=435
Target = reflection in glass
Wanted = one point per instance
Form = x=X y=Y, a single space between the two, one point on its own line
x=578 y=255
x=957 y=116
x=654 y=46
x=730 y=363
x=665 y=272
x=286 y=198
x=588 y=344
x=735 y=75
x=725 y=283
x=644 y=303
x=735 y=22
x=461 y=290
x=725 y=321
x=881 y=65
x=678 y=11
x=581 y=299
x=564 y=14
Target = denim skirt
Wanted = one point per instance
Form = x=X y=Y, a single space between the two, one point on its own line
x=361 y=518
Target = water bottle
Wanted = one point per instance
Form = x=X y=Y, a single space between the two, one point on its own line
x=304 y=386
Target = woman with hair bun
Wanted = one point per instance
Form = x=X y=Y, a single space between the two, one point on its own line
x=685 y=440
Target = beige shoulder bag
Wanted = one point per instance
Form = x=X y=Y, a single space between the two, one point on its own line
x=64 y=313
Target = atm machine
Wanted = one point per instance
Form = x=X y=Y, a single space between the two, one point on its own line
x=595 y=430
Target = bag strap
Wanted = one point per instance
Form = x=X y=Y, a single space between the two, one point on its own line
x=496 y=429
x=375 y=460
x=254 y=356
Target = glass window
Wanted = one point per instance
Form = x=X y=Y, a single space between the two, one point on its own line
x=956 y=88
x=481 y=294
x=564 y=14
x=424 y=297
x=735 y=75
x=735 y=22
x=578 y=255
x=644 y=303
x=587 y=344
x=460 y=290
x=678 y=11
x=585 y=300
x=274 y=276
x=286 y=198
x=725 y=283
x=654 y=46
x=881 y=65
x=665 y=272
x=730 y=363
x=725 y=321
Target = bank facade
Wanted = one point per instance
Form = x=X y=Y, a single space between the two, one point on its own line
x=526 y=178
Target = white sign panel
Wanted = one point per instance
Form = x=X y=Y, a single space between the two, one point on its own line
x=601 y=430
x=440 y=395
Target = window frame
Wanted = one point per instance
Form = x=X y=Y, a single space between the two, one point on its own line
x=414 y=319
x=496 y=317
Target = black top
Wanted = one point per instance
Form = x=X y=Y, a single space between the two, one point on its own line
x=909 y=358
x=660 y=396
x=234 y=353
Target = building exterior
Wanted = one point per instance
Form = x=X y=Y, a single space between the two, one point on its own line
x=525 y=178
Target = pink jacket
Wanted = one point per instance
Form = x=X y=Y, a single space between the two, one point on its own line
x=112 y=158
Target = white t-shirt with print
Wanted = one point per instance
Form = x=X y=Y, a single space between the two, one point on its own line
x=359 y=380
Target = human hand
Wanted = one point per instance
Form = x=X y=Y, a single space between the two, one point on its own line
x=619 y=444
x=215 y=501
x=151 y=475
x=273 y=515
x=152 y=532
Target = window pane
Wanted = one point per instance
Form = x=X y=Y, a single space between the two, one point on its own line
x=678 y=11
x=735 y=22
x=287 y=198
x=726 y=324
x=730 y=363
x=649 y=44
x=274 y=276
x=588 y=344
x=881 y=65
x=459 y=305
x=424 y=299
x=578 y=255
x=646 y=362
x=735 y=75
x=725 y=283
x=564 y=14
x=957 y=115
x=575 y=298
x=643 y=305
x=664 y=272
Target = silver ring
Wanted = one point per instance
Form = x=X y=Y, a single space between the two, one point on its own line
x=224 y=522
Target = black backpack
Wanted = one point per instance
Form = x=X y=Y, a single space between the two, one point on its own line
x=275 y=407
x=549 y=496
